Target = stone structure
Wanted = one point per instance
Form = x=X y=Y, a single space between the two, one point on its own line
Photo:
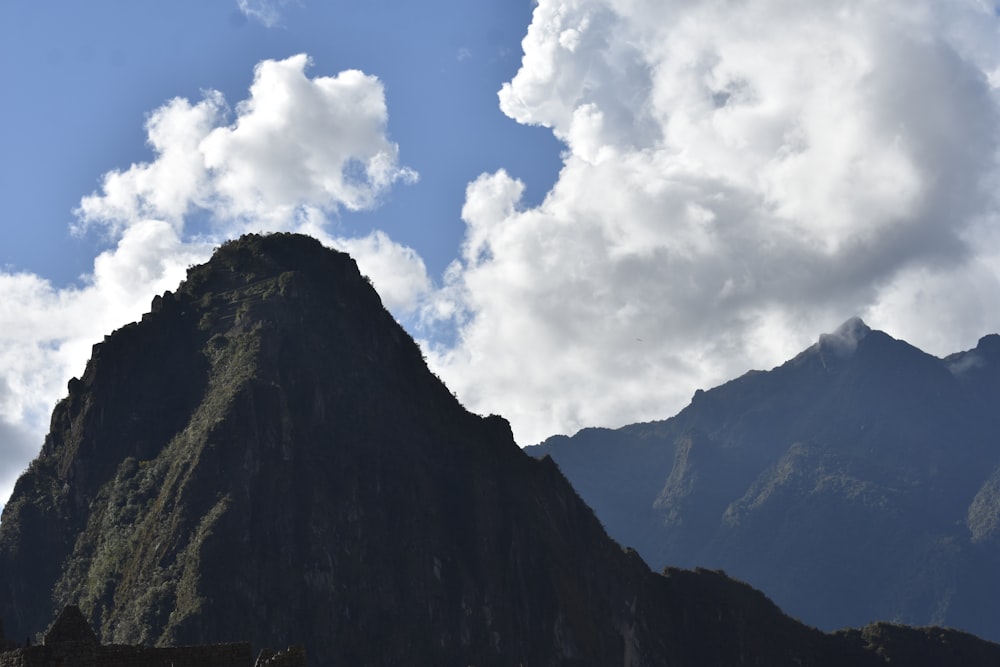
x=70 y=642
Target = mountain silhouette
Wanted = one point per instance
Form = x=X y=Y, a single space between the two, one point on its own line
x=858 y=481
x=265 y=457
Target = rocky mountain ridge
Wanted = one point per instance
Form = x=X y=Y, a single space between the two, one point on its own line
x=266 y=457
x=859 y=480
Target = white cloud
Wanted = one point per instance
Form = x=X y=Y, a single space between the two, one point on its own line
x=173 y=183
x=290 y=157
x=738 y=178
x=301 y=141
x=296 y=143
x=268 y=12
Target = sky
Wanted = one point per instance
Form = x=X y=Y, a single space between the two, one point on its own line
x=583 y=210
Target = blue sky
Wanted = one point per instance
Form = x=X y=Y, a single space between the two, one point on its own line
x=583 y=210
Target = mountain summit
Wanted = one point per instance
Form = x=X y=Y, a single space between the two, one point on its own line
x=859 y=480
x=846 y=338
x=265 y=456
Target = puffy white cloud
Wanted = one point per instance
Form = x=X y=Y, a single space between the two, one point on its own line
x=297 y=144
x=173 y=183
x=298 y=141
x=291 y=156
x=737 y=178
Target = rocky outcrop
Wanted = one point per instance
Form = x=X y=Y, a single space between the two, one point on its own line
x=266 y=457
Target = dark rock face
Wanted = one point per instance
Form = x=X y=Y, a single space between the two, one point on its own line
x=860 y=480
x=266 y=457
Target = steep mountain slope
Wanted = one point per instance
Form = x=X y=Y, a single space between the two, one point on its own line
x=860 y=480
x=265 y=457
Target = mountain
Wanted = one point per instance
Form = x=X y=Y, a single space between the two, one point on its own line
x=265 y=457
x=859 y=480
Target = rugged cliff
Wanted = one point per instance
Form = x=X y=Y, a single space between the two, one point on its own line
x=857 y=481
x=266 y=457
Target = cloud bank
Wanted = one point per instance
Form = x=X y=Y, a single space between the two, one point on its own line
x=738 y=177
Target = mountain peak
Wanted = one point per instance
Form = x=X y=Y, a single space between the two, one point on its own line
x=832 y=482
x=853 y=326
x=266 y=456
x=844 y=340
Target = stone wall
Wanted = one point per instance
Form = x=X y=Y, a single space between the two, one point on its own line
x=71 y=643
x=79 y=654
x=220 y=655
x=69 y=654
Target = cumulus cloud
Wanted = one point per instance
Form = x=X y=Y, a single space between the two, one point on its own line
x=737 y=178
x=295 y=146
x=290 y=157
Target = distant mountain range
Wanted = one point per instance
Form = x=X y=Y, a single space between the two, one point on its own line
x=858 y=481
x=266 y=457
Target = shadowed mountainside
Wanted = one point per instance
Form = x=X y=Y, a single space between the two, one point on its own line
x=860 y=480
x=266 y=457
